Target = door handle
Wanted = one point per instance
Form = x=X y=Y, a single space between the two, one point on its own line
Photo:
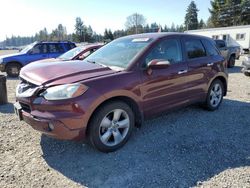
x=182 y=71
x=210 y=64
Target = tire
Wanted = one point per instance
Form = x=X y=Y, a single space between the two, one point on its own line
x=13 y=69
x=247 y=73
x=214 y=95
x=111 y=126
x=231 y=61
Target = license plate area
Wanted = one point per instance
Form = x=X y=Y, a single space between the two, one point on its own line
x=18 y=111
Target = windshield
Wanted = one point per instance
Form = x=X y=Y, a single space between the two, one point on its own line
x=71 y=53
x=119 y=53
x=27 y=48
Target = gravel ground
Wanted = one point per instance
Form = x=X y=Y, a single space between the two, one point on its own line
x=186 y=148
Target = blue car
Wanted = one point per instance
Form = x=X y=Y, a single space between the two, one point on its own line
x=12 y=63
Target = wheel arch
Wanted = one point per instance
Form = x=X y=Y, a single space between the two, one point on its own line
x=131 y=102
x=13 y=62
x=224 y=82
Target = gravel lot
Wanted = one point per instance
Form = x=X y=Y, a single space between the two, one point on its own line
x=186 y=148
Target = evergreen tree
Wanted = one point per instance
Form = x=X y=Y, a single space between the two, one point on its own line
x=191 y=18
x=110 y=35
x=202 y=24
x=245 y=15
x=79 y=30
x=229 y=13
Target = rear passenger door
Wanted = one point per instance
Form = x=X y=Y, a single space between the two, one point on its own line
x=200 y=61
x=55 y=50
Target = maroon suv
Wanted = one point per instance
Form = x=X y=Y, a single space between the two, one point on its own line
x=102 y=98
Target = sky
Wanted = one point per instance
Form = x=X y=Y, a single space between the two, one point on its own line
x=27 y=17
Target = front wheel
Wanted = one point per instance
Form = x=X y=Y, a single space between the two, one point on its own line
x=214 y=95
x=111 y=126
x=247 y=73
x=231 y=61
x=13 y=69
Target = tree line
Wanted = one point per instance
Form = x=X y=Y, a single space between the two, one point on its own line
x=222 y=13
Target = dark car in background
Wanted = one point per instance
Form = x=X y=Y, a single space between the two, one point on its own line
x=77 y=53
x=102 y=98
x=230 y=53
x=12 y=63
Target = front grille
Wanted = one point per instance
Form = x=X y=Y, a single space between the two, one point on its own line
x=25 y=107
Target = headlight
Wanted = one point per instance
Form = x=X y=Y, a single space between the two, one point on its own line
x=66 y=91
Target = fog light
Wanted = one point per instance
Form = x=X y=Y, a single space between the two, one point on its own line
x=51 y=127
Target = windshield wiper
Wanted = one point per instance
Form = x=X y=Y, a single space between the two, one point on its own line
x=94 y=62
x=91 y=61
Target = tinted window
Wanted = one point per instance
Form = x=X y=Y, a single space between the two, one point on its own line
x=194 y=48
x=166 y=50
x=210 y=48
x=55 y=48
x=39 y=49
x=69 y=46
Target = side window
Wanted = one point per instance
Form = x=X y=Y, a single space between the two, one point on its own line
x=55 y=48
x=166 y=50
x=194 y=49
x=210 y=48
x=39 y=49
x=220 y=43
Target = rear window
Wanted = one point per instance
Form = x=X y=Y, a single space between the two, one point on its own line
x=194 y=48
x=210 y=48
x=69 y=46
x=220 y=43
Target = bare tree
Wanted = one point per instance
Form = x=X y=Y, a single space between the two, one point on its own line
x=135 y=22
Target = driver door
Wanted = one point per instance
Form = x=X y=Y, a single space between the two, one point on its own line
x=165 y=88
x=38 y=52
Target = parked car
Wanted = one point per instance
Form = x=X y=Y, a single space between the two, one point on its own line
x=246 y=66
x=230 y=53
x=12 y=63
x=130 y=79
x=77 y=53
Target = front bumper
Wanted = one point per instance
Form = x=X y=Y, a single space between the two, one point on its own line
x=55 y=127
x=2 y=67
x=245 y=67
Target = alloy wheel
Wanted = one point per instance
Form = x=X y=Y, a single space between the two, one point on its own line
x=114 y=127
x=215 y=95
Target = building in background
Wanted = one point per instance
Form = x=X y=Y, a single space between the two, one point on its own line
x=234 y=36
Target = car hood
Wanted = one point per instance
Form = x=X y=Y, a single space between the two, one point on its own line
x=54 y=73
x=46 y=60
x=11 y=55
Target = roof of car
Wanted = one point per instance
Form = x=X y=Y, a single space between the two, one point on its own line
x=54 y=42
x=160 y=34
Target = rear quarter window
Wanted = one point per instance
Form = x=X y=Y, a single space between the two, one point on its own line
x=194 y=48
x=211 y=48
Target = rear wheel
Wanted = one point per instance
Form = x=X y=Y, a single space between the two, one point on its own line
x=111 y=126
x=13 y=69
x=214 y=95
x=231 y=61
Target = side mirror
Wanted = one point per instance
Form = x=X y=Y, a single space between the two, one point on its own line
x=158 y=64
